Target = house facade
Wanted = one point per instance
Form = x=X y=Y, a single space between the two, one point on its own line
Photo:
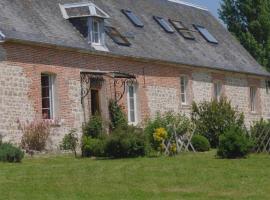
x=64 y=60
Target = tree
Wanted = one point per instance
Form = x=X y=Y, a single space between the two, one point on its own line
x=249 y=21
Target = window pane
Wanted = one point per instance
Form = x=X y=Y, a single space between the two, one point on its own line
x=132 y=104
x=252 y=98
x=206 y=34
x=46 y=114
x=164 y=24
x=183 y=86
x=132 y=116
x=44 y=80
x=133 y=18
x=46 y=96
x=116 y=36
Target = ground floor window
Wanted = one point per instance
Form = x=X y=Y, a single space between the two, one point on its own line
x=217 y=90
x=132 y=104
x=253 y=94
x=184 y=89
x=47 y=93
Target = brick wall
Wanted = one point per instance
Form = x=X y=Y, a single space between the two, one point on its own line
x=158 y=87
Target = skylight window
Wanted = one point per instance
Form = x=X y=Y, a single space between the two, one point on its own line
x=116 y=36
x=163 y=23
x=133 y=18
x=206 y=34
x=185 y=32
x=75 y=10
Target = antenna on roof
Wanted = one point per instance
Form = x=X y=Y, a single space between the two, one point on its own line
x=189 y=4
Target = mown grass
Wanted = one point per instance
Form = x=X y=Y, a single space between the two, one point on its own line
x=187 y=176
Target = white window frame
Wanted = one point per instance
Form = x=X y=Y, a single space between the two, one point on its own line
x=217 y=89
x=51 y=94
x=135 y=105
x=97 y=32
x=253 y=98
x=185 y=92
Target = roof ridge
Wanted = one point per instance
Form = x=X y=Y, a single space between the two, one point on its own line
x=189 y=4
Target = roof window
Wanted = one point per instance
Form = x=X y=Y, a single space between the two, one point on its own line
x=206 y=34
x=75 y=10
x=185 y=32
x=163 y=23
x=116 y=36
x=133 y=18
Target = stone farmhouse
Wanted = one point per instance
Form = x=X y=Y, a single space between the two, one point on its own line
x=63 y=60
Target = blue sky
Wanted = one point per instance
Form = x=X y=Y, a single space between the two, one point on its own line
x=212 y=5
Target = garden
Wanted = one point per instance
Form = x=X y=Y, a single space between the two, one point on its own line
x=211 y=155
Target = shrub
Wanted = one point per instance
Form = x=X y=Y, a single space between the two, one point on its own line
x=93 y=147
x=70 y=141
x=213 y=118
x=117 y=116
x=260 y=133
x=35 y=135
x=93 y=128
x=234 y=143
x=126 y=142
x=170 y=122
x=200 y=143
x=10 y=153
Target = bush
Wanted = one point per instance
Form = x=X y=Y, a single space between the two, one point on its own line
x=70 y=141
x=93 y=128
x=117 y=116
x=200 y=143
x=234 y=143
x=93 y=147
x=213 y=118
x=10 y=153
x=168 y=121
x=126 y=142
x=35 y=135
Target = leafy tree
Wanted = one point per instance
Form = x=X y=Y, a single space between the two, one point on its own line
x=249 y=21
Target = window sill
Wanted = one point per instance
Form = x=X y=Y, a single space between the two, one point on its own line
x=54 y=122
x=99 y=47
x=185 y=106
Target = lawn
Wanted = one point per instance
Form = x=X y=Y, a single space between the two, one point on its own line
x=187 y=176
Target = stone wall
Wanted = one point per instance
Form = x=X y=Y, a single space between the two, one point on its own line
x=158 y=87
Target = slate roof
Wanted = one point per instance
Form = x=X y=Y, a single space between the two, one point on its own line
x=41 y=21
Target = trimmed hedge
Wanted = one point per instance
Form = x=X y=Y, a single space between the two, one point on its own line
x=10 y=153
x=200 y=143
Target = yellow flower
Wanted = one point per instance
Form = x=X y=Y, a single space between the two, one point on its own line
x=160 y=134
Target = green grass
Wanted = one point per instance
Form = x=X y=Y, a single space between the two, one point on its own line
x=187 y=176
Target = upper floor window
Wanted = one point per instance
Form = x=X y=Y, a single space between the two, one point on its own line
x=184 y=89
x=132 y=104
x=253 y=94
x=206 y=34
x=47 y=95
x=217 y=90
x=96 y=31
x=163 y=23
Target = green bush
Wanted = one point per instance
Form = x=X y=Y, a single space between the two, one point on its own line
x=213 y=118
x=117 y=116
x=10 y=153
x=126 y=142
x=93 y=147
x=234 y=143
x=93 y=128
x=70 y=142
x=169 y=121
x=200 y=143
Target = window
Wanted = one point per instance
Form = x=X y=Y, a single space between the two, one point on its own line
x=47 y=87
x=185 y=32
x=116 y=36
x=183 y=89
x=253 y=94
x=95 y=108
x=267 y=85
x=133 y=18
x=217 y=90
x=96 y=31
x=206 y=34
x=164 y=24
x=132 y=104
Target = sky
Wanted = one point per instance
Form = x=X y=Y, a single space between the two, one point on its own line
x=212 y=5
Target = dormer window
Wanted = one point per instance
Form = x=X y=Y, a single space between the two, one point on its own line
x=89 y=20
